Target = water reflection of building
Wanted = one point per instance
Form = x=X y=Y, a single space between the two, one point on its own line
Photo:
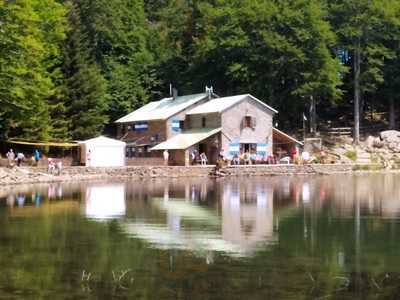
x=105 y=201
x=237 y=224
x=247 y=215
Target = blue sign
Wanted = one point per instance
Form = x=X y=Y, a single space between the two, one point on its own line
x=262 y=148
x=234 y=148
x=142 y=126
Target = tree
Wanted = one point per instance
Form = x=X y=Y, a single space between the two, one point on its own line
x=120 y=40
x=363 y=28
x=30 y=36
x=84 y=85
x=279 y=51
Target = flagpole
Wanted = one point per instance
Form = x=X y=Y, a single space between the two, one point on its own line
x=304 y=128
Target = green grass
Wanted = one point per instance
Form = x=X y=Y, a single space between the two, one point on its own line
x=351 y=155
x=372 y=167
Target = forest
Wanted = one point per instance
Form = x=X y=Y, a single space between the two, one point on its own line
x=70 y=68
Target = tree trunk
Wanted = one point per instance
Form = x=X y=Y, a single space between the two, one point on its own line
x=356 y=63
x=313 y=116
x=392 y=114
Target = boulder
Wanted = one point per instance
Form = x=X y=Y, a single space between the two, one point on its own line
x=390 y=136
x=378 y=143
x=369 y=142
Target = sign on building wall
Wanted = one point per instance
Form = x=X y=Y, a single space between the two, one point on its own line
x=262 y=148
x=142 y=126
x=234 y=148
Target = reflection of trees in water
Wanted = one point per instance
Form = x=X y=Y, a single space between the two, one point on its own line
x=44 y=255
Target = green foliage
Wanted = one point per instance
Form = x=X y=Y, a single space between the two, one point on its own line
x=69 y=68
x=119 y=39
x=278 y=51
x=85 y=85
x=351 y=155
x=29 y=37
x=368 y=167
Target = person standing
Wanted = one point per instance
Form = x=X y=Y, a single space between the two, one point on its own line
x=203 y=159
x=166 y=157
x=36 y=155
x=89 y=158
x=193 y=156
x=10 y=156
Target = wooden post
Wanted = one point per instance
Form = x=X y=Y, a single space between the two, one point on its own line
x=356 y=64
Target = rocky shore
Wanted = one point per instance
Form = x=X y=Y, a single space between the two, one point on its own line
x=24 y=175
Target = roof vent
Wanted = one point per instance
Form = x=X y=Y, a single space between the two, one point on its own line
x=209 y=92
x=174 y=93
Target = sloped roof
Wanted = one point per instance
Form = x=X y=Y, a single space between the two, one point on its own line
x=219 y=105
x=163 y=109
x=186 y=139
x=286 y=136
x=103 y=141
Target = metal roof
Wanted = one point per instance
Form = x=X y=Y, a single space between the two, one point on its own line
x=163 y=109
x=284 y=135
x=103 y=141
x=219 y=105
x=186 y=139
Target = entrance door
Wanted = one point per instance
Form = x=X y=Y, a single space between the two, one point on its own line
x=202 y=148
x=248 y=147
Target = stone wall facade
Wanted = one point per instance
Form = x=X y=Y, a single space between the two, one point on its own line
x=145 y=161
x=233 y=129
x=211 y=120
x=268 y=170
x=38 y=174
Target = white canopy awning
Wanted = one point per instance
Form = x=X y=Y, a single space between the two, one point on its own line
x=186 y=139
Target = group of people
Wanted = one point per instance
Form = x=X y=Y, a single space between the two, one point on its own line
x=19 y=157
x=305 y=157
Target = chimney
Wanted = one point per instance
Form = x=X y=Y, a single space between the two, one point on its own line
x=174 y=93
x=209 y=92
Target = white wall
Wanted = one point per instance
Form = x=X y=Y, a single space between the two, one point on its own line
x=104 y=156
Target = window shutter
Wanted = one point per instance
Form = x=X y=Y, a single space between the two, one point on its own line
x=254 y=122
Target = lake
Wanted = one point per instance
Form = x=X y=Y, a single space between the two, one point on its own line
x=311 y=237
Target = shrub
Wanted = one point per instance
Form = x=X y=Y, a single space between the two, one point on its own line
x=351 y=155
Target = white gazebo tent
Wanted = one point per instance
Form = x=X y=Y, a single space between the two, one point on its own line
x=103 y=152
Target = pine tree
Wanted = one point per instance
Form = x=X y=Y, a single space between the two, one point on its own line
x=85 y=86
x=120 y=36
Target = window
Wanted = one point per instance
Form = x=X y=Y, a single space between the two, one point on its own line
x=177 y=125
x=247 y=121
x=203 y=122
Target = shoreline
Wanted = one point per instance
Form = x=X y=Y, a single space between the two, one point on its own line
x=32 y=175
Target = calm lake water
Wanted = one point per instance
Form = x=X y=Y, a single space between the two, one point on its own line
x=327 y=237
